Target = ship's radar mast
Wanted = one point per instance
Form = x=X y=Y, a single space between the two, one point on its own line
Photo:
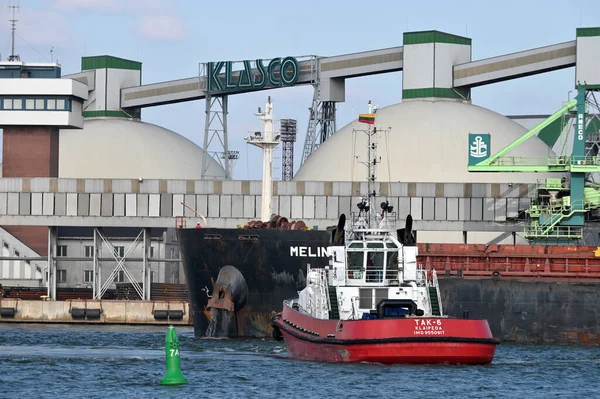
x=267 y=140
x=368 y=217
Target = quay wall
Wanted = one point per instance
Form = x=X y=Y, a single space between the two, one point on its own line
x=111 y=311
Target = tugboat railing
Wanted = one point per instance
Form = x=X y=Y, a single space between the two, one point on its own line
x=326 y=286
x=437 y=289
x=380 y=277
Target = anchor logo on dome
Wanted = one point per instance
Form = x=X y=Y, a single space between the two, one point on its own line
x=478 y=148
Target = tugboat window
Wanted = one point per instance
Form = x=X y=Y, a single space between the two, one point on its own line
x=392 y=266
x=374 y=267
x=355 y=263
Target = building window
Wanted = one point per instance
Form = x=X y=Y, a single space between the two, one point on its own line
x=89 y=251
x=88 y=276
x=119 y=278
x=61 y=276
x=119 y=252
x=50 y=104
x=152 y=252
x=61 y=250
x=5 y=244
x=17 y=254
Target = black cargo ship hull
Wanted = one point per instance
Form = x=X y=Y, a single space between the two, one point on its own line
x=272 y=262
x=528 y=311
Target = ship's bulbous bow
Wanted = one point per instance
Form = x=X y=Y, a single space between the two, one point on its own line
x=230 y=291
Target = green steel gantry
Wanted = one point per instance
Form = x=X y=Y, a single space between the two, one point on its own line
x=557 y=214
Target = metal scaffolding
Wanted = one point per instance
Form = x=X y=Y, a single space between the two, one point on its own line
x=51 y=279
x=321 y=123
x=215 y=135
x=99 y=288
x=287 y=131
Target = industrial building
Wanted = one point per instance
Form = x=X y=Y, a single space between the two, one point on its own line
x=79 y=164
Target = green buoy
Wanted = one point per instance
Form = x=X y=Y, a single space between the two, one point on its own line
x=173 y=375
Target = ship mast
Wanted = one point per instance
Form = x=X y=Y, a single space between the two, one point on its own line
x=367 y=205
x=267 y=141
x=371 y=165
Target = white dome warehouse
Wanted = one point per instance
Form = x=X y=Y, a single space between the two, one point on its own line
x=116 y=148
x=428 y=143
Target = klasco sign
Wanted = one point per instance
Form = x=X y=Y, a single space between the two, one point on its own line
x=278 y=72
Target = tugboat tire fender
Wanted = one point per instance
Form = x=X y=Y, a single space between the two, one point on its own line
x=277 y=336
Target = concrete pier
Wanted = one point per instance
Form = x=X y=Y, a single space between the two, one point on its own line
x=95 y=312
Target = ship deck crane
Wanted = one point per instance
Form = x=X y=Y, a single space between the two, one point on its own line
x=557 y=218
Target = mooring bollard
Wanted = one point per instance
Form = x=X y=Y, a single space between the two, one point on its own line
x=173 y=375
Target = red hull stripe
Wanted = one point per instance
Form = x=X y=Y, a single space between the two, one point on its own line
x=362 y=341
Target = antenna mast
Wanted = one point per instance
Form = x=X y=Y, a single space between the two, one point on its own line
x=267 y=141
x=372 y=156
x=368 y=204
x=367 y=215
x=14 y=6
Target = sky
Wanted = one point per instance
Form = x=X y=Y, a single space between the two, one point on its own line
x=171 y=38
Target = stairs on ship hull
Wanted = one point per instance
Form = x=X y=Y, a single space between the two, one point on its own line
x=334 y=312
x=435 y=303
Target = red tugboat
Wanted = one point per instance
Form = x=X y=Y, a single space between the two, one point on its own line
x=373 y=303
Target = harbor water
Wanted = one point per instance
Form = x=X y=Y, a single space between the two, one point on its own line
x=50 y=361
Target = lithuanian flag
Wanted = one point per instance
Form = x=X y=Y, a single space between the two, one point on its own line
x=367 y=118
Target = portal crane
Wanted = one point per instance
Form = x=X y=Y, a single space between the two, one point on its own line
x=557 y=214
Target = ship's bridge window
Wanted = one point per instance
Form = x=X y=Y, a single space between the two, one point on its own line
x=355 y=260
x=391 y=245
x=356 y=245
x=375 y=262
x=391 y=268
x=392 y=260
x=375 y=259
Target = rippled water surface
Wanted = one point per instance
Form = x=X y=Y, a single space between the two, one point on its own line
x=52 y=361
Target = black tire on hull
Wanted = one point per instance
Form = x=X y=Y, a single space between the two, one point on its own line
x=277 y=336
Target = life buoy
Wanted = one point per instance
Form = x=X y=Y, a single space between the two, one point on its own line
x=496 y=274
